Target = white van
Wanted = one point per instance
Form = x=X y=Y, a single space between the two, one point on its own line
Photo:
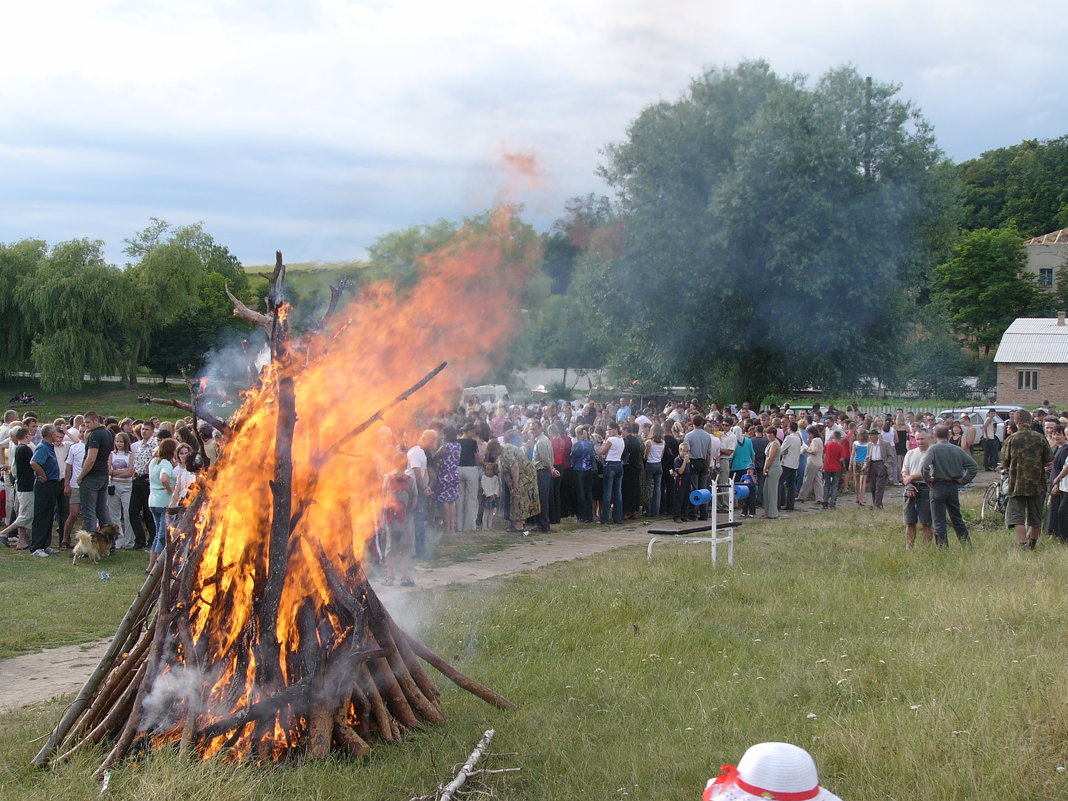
x=977 y=414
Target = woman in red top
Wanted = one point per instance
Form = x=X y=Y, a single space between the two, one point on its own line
x=835 y=455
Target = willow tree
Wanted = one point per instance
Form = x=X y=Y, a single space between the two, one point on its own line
x=771 y=229
x=74 y=308
x=18 y=266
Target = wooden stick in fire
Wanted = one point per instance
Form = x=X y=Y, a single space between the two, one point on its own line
x=146 y=595
x=203 y=414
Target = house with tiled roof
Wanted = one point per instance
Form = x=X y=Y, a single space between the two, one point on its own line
x=1032 y=362
x=1046 y=254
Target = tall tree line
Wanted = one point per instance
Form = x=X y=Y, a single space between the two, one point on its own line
x=66 y=313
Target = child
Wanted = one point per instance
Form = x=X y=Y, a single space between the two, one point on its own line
x=682 y=474
x=398 y=503
x=749 y=502
x=490 y=487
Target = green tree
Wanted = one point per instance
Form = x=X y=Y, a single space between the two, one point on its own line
x=1059 y=297
x=398 y=256
x=571 y=235
x=184 y=346
x=19 y=262
x=1024 y=185
x=173 y=269
x=74 y=307
x=983 y=287
x=771 y=230
x=933 y=364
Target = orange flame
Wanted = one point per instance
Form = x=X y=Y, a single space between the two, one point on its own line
x=462 y=310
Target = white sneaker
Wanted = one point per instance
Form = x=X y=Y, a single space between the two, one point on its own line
x=41 y=552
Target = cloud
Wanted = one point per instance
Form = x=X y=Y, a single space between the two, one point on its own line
x=315 y=126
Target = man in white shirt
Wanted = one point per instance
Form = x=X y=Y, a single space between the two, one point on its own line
x=917 y=493
x=728 y=441
x=72 y=468
x=790 y=456
x=140 y=517
x=417 y=470
x=678 y=414
x=991 y=443
x=701 y=457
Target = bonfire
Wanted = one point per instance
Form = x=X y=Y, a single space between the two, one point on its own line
x=258 y=636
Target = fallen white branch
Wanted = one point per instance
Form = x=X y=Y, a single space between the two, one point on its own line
x=480 y=749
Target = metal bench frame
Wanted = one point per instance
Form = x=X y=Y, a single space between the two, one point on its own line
x=712 y=528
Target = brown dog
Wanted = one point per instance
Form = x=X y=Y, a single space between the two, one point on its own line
x=95 y=545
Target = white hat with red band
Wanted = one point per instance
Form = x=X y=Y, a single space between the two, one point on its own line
x=778 y=771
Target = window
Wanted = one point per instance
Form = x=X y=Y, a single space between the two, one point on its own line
x=1045 y=276
x=1027 y=379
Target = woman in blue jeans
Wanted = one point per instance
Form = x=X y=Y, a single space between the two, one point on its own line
x=160 y=489
x=612 y=495
x=654 y=470
x=584 y=467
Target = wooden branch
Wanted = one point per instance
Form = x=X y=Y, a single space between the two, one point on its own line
x=243 y=312
x=207 y=417
x=333 y=450
x=455 y=676
x=154 y=654
x=276 y=285
x=335 y=296
x=293 y=694
x=374 y=418
x=268 y=653
x=450 y=789
x=278 y=336
x=85 y=695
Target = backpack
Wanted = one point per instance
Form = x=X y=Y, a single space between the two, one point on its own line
x=398 y=494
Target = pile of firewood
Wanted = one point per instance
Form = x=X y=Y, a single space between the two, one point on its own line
x=345 y=678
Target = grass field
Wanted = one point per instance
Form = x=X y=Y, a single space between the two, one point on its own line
x=936 y=675
x=107 y=397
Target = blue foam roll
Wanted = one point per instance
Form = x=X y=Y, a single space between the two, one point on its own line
x=700 y=497
x=740 y=491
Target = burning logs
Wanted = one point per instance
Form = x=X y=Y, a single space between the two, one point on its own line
x=346 y=678
x=267 y=641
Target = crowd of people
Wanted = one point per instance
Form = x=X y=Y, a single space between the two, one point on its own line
x=88 y=471
x=606 y=463
x=536 y=465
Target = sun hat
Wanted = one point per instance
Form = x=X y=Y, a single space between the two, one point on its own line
x=778 y=771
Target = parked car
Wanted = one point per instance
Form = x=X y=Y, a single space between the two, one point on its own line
x=977 y=414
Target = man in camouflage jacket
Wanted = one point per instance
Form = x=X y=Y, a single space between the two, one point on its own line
x=1025 y=456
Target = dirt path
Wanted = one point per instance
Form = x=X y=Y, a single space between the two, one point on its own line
x=33 y=678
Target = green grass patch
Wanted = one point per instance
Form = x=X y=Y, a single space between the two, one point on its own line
x=106 y=397
x=908 y=675
x=50 y=602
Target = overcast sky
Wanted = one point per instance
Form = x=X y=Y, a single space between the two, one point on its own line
x=314 y=126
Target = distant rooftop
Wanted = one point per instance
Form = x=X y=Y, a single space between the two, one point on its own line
x=1052 y=238
x=1034 y=340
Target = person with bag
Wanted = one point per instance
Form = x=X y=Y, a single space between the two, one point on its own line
x=400 y=495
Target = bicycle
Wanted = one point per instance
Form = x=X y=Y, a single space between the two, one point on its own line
x=996 y=498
